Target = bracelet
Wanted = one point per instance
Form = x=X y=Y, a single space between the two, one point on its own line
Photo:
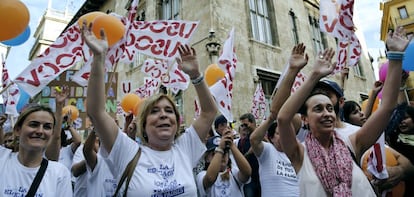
x=197 y=80
x=219 y=150
x=395 y=55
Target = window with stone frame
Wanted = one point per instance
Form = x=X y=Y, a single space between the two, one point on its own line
x=358 y=70
x=269 y=81
x=262 y=22
x=318 y=38
x=294 y=27
x=170 y=9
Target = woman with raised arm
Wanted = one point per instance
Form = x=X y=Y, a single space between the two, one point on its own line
x=324 y=162
x=167 y=156
x=275 y=170
x=34 y=128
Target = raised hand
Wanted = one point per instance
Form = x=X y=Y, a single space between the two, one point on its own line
x=298 y=58
x=397 y=40
x=61 y=94
x=98 y=46
x=188 y=62
x=377 y=87
x=323 y=64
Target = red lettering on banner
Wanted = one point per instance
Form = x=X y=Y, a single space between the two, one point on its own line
x=85 y=75
x=175 y=49
x=34 y=82
x=347 y=12
x=329 y=27
x=180 y=75
x=16 y=91
x=153 y=74
x=176 y=26
x=156 y=49
x=62 y=56
x=140 y=40
x=162 y=24
x=223 y=104
x=193 y=26
x=60 y=45
x=53 y=67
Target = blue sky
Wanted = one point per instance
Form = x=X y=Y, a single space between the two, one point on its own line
x=367 y=11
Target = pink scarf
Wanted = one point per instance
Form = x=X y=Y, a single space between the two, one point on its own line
x=333 y=167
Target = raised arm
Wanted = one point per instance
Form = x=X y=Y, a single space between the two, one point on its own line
x=76 y=138
x=322 y=67
x=241 y=161
x=103 y=122
x=298 y=59
x=53 y=149
x=396 y=42
x=189 y=64
x=89 y=151
x=371 y=99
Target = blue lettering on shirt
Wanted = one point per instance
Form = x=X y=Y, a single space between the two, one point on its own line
x=170 y=193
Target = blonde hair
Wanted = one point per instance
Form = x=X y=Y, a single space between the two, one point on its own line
x=145 y=110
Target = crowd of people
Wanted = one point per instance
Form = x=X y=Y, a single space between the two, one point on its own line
x=313 y=143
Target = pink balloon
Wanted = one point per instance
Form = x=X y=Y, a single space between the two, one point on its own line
x=379 y=95
x=383 y=71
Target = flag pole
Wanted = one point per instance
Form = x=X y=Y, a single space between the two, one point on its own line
x=5 y=88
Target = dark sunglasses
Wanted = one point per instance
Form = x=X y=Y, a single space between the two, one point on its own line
x=243 y=125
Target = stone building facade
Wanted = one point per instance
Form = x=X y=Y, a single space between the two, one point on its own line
x=265 y=32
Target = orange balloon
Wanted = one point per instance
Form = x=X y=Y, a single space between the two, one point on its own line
x=137 y=107
x=72 y=109
x=113 y=27
x=14 y=19
x=213 y=74
x=376 y=104
x=374 y=107
x=390 y=160
x=129 y=101
x=89 y=17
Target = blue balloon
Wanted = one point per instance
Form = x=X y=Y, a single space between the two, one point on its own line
x=20 y=39
x=408 y=61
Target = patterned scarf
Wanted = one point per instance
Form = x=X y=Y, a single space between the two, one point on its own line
x=333 y=167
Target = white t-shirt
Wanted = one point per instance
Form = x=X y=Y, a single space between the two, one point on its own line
x=66 y=156
x=80 y=181
x=221 y=188
x=16 y=179
x=158 y=173
x=277 y=175
x=101 y=182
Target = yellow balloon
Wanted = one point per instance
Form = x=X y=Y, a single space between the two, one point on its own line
x=89 y=17
x=113 y=27
x=129 y=102
x=213 y=74
x=74 y=112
